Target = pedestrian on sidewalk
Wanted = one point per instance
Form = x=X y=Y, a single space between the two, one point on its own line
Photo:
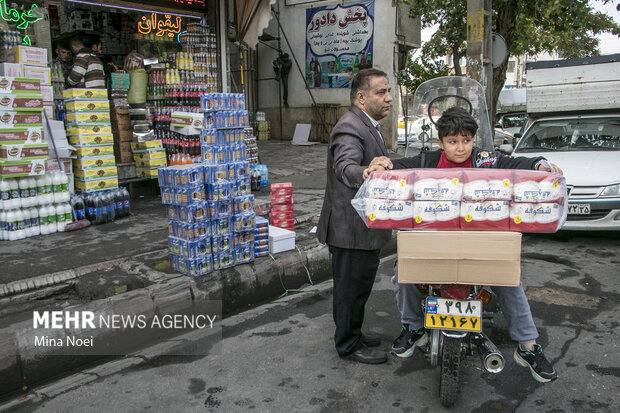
x=354 y=142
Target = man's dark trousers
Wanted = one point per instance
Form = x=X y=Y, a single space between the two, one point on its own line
x=354 y=273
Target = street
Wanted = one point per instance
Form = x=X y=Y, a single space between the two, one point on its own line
x=279 y=357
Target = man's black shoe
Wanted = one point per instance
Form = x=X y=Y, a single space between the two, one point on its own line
x=367 y=356
x=370 y=341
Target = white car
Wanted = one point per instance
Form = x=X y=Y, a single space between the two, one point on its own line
x=587 y=149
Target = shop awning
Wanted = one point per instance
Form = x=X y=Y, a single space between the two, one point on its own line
x=253 y=17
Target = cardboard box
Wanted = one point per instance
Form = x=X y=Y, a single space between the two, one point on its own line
x=87 y=105
x=26 y=102
x=27 y=54
x=94 y=151
x=22 y=135
x=52 y=165
x=148 y=155
x=459 y=257
x=91 y=140
x=154 y=144
x=94 y=129
x=43 y=73
x=49 y=111
x=123 y=135
x=20 y=152
x=95 y=173
x=23 y=119
x=96 y=185
x=10 y=69
x=94 y=162
x=280 y=240
x=97 y=94
x=19 y=85
x=48 y=94
x=151 y=163
x=146 y=173
x=85 y=118
x=32 y=167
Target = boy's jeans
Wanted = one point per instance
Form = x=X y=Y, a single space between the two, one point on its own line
x=512 y=301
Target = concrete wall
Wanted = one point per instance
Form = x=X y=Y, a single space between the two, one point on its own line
x=293 y=20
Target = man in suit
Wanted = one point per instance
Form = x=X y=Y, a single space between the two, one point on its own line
x=354 y=142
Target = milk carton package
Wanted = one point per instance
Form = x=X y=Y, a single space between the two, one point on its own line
x=538 y=186
x=437 y=215
x=487 y=184
x=384 y=213
x=437 y=184
x=485 y=216
x=394 y=185
x=541 y=217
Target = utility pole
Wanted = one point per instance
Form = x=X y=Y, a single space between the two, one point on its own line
x=479 y=42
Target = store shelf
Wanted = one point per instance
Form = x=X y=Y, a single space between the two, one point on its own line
x=156 y=97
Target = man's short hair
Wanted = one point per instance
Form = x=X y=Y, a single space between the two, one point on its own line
x=63 y=44
x=91 y=40
x=361 y=81
x=77 y=43
x=456 y=121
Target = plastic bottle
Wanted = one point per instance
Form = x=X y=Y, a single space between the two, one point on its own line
x=14 y=201
x=111 y=206
x=118 y=200
x=3 y=226
x=97 y=208
x=11 y=225
x=60 y=218
x=19 y=224
x=32 y=185
x=5 y=193
x=64 y=185
x=34 y=221
x=80 y=208
x=51 y=219
x=43 y=220
x=49 y=193
x=24 y=192
x=126 y=199
x=56 y=186
x=90 y=208
x=27 y=223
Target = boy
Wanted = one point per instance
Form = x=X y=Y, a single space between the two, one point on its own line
x=456 y=130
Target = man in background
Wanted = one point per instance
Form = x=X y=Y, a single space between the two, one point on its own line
x=64 y=57
x=87 y=71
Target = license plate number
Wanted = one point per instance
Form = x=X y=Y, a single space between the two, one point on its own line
x=452 y=314
x=578 y=209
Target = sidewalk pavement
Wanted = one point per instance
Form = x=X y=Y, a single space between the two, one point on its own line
x=129 y=258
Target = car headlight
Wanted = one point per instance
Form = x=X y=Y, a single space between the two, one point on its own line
x=611 y=190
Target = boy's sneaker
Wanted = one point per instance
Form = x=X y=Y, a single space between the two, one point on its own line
x=408 y=340
x=540 y=367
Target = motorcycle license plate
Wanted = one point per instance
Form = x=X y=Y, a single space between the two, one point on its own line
x=453 y=314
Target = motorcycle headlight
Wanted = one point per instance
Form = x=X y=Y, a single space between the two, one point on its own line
x=611 y=191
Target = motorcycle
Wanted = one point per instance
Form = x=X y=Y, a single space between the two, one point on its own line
x=454 y=314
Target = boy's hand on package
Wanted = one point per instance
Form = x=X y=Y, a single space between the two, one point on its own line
x=549 y=167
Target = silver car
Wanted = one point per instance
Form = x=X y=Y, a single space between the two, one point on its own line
x=587 y=149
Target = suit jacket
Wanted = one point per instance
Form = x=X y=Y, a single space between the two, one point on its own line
x=353 y=143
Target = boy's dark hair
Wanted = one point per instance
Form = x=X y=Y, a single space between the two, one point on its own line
x=63 y=44
x=454 y=121
x=361 y=81
x=76 y=42
x=91 y=40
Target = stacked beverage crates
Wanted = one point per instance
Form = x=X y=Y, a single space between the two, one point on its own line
x=211 y=216
x=261 y=237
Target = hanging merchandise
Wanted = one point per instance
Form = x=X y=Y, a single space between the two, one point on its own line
x=138 y=85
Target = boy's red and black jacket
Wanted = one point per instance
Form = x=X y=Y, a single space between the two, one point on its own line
x=479 y=159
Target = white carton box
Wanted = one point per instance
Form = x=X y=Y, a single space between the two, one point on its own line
x=10 y=69
x=280 y=239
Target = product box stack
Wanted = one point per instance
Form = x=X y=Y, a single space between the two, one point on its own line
x=149 y=156
x=31 y=63
x=211 y=218
x=282 y=206
x=23 y=150
x=90 y=132
x=261 y=237
x=123 y=134
x=262 y=127
x=463 y=199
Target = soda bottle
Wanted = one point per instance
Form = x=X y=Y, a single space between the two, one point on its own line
x=80 y=209
x=43 y=220
x=111 y=206
x=98 y=206
x=126 y=208
x=118 y=201
x=3 y=225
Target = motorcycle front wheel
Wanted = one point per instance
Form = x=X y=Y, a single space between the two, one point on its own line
x=450 y=370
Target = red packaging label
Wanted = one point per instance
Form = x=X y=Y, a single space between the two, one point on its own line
x=282 y=208
x=384 y=213
x=283 y=223
x=485 y=216
x=281 y=214
x=285 y=199
x=439 y=215
x=487 y=184
x=539 y=187
x=526 y=217
x=285 y=188
x=437 y=184
x=396 y=185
